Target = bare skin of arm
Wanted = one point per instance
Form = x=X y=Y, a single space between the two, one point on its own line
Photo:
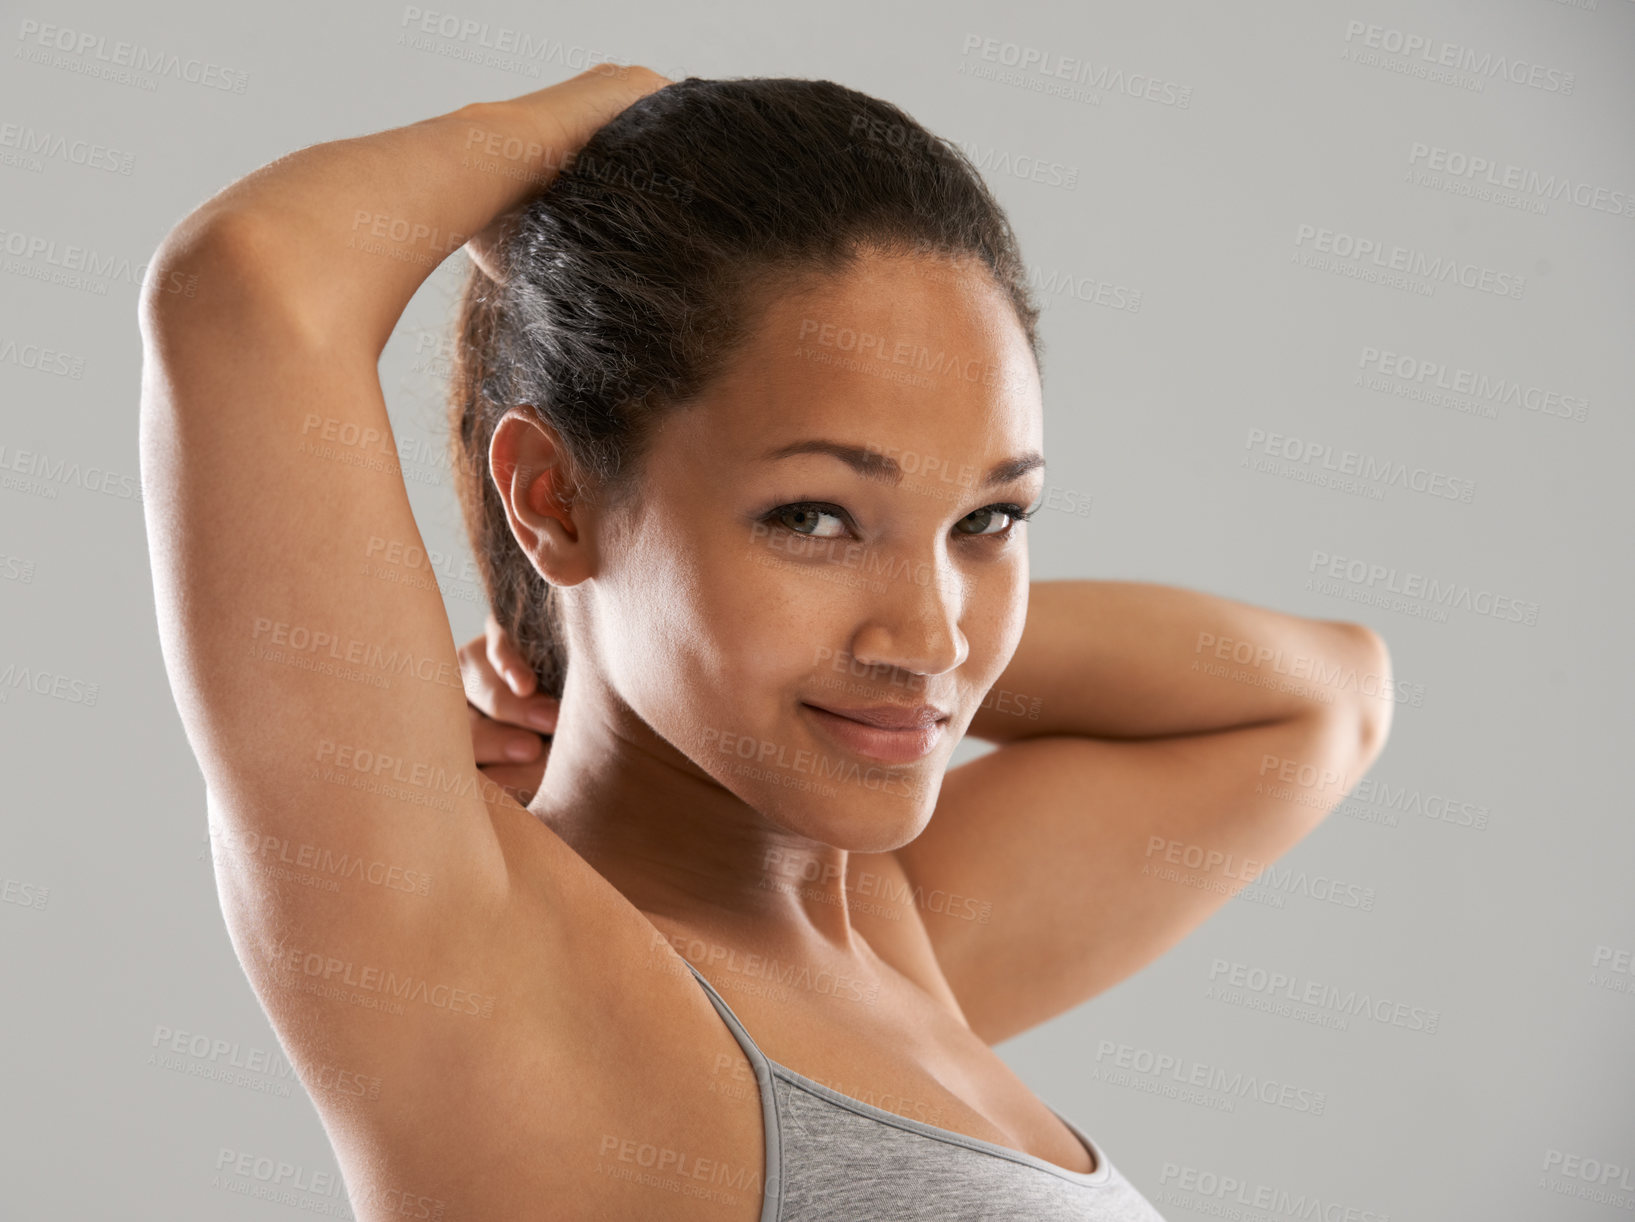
x=325 y=705
x=1143 y=755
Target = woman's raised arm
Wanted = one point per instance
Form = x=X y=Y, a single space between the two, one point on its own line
x=313 y=664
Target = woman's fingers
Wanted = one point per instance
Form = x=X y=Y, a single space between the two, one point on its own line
x=487 y=692
x=477 y=672
x=494 y=742
x=506 y=658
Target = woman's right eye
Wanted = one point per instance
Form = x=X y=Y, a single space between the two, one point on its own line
x=803 y=517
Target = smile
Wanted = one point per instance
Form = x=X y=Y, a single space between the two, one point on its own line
x=891 y=746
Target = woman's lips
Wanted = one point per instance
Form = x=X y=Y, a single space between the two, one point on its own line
x=888 y=746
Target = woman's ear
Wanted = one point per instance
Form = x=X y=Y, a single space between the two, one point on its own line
x=531 y=470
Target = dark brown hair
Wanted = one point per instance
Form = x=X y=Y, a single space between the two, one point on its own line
x=631 y=279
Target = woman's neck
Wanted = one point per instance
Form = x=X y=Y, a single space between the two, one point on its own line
x=675 y=842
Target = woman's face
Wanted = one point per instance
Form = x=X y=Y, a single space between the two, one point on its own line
x=818 y=530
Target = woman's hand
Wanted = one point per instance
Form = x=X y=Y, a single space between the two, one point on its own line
x=510 y=722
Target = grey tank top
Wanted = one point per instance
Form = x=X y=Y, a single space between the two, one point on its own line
x=832 y=1157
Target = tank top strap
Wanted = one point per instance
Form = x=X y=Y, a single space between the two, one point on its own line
x=771 y=1122
x=757 y=1059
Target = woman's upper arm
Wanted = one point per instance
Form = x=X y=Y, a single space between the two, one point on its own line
x=316 y=676
x=1062 y=847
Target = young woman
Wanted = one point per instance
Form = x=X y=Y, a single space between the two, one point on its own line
x=749 y=420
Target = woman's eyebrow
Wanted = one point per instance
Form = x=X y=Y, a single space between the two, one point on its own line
x=872 y=464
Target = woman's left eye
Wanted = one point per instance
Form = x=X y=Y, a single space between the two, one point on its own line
x=986 y=516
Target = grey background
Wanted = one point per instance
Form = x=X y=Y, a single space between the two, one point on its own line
x=111 y=928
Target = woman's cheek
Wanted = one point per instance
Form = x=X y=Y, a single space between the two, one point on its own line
x=996 y=622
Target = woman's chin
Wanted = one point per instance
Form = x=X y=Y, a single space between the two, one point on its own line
x=861 y=824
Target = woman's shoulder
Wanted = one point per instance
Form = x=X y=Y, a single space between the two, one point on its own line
x=552 y=1030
